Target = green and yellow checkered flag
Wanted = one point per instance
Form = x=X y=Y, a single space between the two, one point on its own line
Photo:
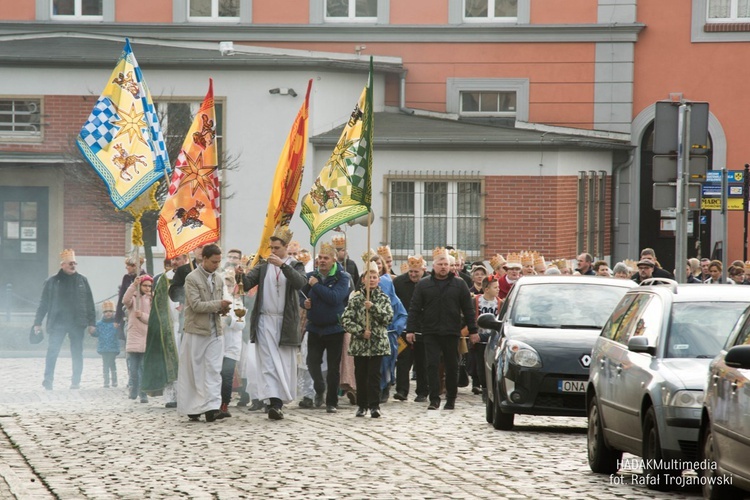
x=343 y=190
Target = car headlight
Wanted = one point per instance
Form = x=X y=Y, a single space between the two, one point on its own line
x=523 y=355
x=687 y=399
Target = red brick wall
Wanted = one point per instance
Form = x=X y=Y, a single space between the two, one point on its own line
x=535 y=213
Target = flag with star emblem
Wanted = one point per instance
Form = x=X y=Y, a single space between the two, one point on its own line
x=343 y=190
x=191 y=215
x=122 y=138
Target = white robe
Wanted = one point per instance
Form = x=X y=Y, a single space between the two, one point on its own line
x=199 y=376
x=276 y=365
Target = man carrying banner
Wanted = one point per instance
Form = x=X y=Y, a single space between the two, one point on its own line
x=274 y=323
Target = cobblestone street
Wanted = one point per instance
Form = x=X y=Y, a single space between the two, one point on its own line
x=96 y=443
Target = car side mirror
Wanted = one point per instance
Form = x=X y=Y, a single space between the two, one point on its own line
x=738 y=357
x=490 y=322
x=640 y=344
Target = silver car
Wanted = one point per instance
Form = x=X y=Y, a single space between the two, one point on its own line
x=648 y=371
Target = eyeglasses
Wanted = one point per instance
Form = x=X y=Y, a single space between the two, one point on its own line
x=72 y=263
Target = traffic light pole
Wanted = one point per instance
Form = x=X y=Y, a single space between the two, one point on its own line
x=683 y=177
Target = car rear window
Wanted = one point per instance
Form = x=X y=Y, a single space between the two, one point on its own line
x=700 y=329
x=565 y=305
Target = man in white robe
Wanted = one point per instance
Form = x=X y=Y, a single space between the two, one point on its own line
x=274 y=323
x=202 y=346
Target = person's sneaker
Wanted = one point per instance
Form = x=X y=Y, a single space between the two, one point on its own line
x=331 y=409
x=306 y=403
x=361 y=412
x=449 y=405
x=275 y=413
x=434 y=405
x=212 y=415
x=241 y=403
x=256 y=405
x=375 y=413
x=171 y=404
x=224 y=412
x=476 y=390
x=75 y=386
x=319 y=400
x=144 y=399
x=420 y=399
x=399 y=397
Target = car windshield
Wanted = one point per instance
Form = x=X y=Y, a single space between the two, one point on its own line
x=700 y=329
x=565 y=305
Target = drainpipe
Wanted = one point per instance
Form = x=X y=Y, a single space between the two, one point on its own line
x=616 y=199
x=402 y=95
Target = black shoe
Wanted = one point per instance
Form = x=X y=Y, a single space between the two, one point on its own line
x=319 y=400
x=420 y=399
x=275 y=413
x=306 y=403
x=223 y=412
x=331 y=409
x=361 y=412
x=375 y=413
x=194 y=418
x=385 y=394
x=171 y=404
x=352 y=397
x=476 y=390
x=257 y=405
x=399 y=397
x=241 y=403
x=212 y=415
x=434 y=405
x=144 y=399
x=449 y=405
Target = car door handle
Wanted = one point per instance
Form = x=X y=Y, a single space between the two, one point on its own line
x=603 y=362
x=734 y=387
x=619 y=369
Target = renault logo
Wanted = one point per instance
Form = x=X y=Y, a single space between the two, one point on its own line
x=585 y=360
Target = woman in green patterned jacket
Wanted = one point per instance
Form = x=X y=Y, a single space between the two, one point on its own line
x=368 y=346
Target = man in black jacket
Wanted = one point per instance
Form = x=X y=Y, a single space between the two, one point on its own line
x=435 y=311
x=69 y=306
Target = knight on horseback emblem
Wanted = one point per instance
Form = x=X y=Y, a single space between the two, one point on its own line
x=321 y=196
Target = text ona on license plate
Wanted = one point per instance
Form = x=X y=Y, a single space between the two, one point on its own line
x=571 y=386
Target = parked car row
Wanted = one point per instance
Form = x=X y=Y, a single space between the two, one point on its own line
x=661 y=371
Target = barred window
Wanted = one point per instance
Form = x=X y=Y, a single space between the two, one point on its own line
x=20 y=117
x=213 y=10
x=426 y=213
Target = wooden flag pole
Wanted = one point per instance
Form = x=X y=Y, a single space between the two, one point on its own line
x=367 y=276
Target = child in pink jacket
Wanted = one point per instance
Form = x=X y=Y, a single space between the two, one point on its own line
x=137 y=300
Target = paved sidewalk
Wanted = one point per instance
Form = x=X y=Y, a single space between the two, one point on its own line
x=95 y=443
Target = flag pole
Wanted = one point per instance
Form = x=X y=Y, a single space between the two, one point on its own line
x=367 y=273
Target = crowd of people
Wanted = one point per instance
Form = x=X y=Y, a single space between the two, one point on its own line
x=296 y=329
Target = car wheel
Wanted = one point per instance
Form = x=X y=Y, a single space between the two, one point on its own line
x=602 y=458
x=656 y=478
x=501 y=421
x=713 y=481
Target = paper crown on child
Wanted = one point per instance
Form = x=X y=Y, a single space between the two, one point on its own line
x=293 y=246
x=283 y=234
x=539 y=264
x=339 y=241
x=560 y=264
x=415 y=262
x=327 y=249
x=369 y=254
x=513 y=261
x=372 y=267
x=67 y=255
x=404 y=267
x=439 y=252
x=304 y=256
x=108 y=305
x=497 y=261
x=384 y=251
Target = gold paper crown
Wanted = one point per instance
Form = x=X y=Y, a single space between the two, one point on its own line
x=747 y=265
x=339 y=241
x=384 y=251
x=108 y=305
x=415 y=262
x=539 y=264
x=497 y=261
x=372 y=266
x=632 y=265
x=369 y=254
x=327 y=249
x=513 y=260
x=282 y=233
x=67 y=255
x=560 y=264
x=453 y=253
x=527 y=258
x=439 y=252
x=304 y=256
x=404 y=267
x=293 y=247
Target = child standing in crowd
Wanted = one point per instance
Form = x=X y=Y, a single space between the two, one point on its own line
x=137 y=300
x=488 y=302
x=108 y=345
x=232 y=345
x=368 y=345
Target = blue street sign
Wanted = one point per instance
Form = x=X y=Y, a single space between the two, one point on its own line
x=704 y=219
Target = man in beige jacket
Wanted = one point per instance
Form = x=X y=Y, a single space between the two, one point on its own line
x=202 y=346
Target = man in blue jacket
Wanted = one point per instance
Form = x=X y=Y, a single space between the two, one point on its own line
x=325 y=297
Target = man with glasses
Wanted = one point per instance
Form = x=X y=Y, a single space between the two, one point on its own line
x=69 y=306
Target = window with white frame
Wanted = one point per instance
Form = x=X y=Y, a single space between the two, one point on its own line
x=88 y=10
x=176 y=117
x=214 y=10
x=431 y=212
x=728 y=11
x=488 y=103
x=351 y=10
x=20 y=118
x=490 y=10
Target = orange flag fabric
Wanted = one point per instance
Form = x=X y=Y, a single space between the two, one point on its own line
x=191 y=215
x=287 y=180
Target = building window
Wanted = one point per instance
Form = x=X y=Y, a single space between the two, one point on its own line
x=488 y=103
x=214 y=10
x=728 y=11
x=176 y=117
x=427 y=213
x=88 y=10
x=490 y=10
x=20 y=118
x=351 y=10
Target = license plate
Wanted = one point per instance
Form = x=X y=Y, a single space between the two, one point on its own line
x=571 y=386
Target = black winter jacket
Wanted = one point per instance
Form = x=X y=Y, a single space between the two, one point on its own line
x=50 y=305
x=436 y=310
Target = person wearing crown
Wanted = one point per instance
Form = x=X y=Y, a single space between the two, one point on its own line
x=387 y=259
x=512 y=274
x=325 y=296
x=68 y=304
x=342 y=257
x=274 y=323
x=437 y=306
